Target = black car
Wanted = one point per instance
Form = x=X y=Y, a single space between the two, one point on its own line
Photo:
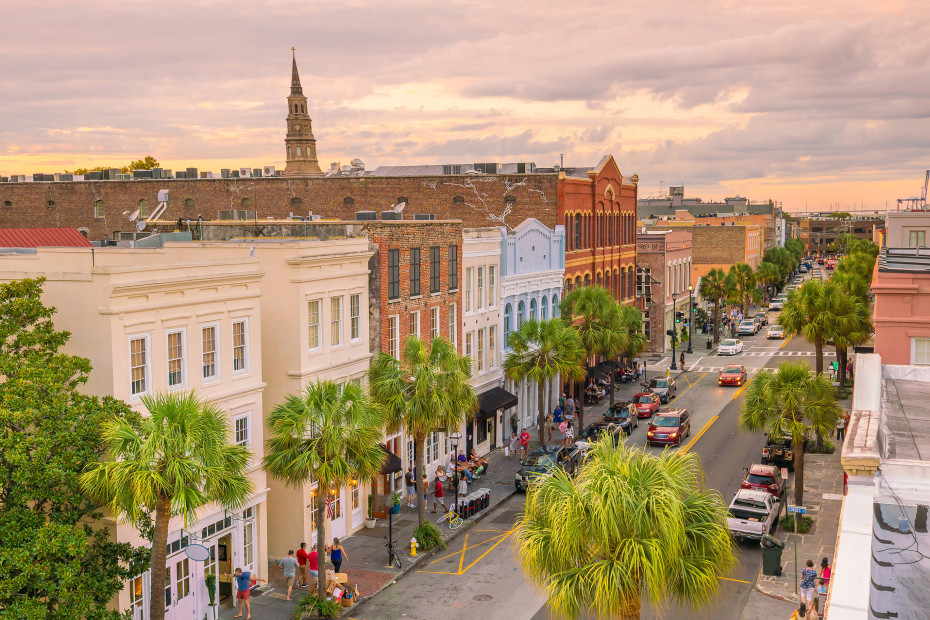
x=623 y=415
x=598 y=431
x=545 y=458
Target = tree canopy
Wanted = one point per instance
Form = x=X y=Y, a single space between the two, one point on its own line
x=146 y=163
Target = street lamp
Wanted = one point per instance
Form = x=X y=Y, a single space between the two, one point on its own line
x=455 y=438
x=674 y=329
x=690 y=316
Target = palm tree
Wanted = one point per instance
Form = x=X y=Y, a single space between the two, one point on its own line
x=768 y=274
x=328 y=434
x=744 y=286
x=790 y=403
x=173 y=462
x=541 y=351
x=815 y=311
x=632 y=528
x=427 y=390
x=853 y=326
x=715 y=287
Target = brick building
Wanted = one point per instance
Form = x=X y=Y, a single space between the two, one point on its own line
x=822 y=234
x=664 y=260
x=720 y=247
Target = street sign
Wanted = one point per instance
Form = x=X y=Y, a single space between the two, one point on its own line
x=798 y=509
x=784 y=473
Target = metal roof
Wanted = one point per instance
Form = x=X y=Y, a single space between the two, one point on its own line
x=904 y=259
x=43 y=238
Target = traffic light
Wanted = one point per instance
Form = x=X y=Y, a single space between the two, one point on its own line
x=678 y=316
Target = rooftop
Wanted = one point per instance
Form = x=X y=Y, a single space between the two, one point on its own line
x=43 y=238
x=904 y=259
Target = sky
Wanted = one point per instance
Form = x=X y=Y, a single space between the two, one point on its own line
x=817 y=105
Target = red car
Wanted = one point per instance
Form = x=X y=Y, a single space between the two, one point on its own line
x=669 y=427
x=764 y=478
x=647 y=403
x=732 y=374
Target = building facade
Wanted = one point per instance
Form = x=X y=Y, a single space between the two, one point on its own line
x=720 y=247
x=664 y=259
x=532 y=266
x=822 y=233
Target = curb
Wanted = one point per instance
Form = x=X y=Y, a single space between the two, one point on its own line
x=779 y=597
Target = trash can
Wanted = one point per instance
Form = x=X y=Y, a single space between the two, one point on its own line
x=708 y=344
x=771 y=555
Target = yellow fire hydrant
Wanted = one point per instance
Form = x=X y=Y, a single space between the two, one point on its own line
x=413 y=547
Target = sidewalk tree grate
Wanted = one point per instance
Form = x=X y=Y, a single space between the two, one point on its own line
x=484 y=597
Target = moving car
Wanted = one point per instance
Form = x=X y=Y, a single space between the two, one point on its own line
x=669 y=427
x=730 y=346
x=647 y=403
x=775 y=332
x=764 y=478
x=802 y=268
x=747 y=327
x=625 y=416
x=762 y=317
x=597 y=431
x=662 y=386
x=752 y=514
x=545 y=458
x=777 y=304
x=778 y=451
x=732 y=374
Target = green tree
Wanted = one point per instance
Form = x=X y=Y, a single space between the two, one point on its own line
x=817 y=311
x=781 y=258
x=851 y=327
x=632 y=528
x=716 y=287
x=768 y=275
x=327 y=434
x=796 y=247
x=147 y=163
x=427 y=390
x=745 y=290
x=173 y=462
x=790 y=403
x=631 y=320
x=57 y=558
x=542 y=351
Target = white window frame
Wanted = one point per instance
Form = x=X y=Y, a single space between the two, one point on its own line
x=492 y=346
x=355 y=316
x=414 y=326
x=469 y=347
x=453 y=324
x=245 y=349
x=468 y=288
x=479 y=287
x=247 y=441
x=216 y=353
x=492 y=286
x=480 y=349
x=182 y=332
x=914 y=238
x=916 y=342
x=394 y=341
x=335 y=321
x=147 y=365
x=434 y=323
x=313 y=329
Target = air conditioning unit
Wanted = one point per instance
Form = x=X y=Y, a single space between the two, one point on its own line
x=423 y=216
x=245 y=173
x=268 y=171
x=361 y=215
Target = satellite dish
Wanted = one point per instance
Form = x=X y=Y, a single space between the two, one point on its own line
x=399 y=206
x=140 y=225
x=135 y=214
x=197 y=553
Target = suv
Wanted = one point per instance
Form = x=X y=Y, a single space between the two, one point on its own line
x=545 y=458
x=764 y=478
x=664 y=387
x=626 y=416
x=749 y=327
x=778 y=451
x=669 y=427
x=777 y=304
x=762 y=317
x=603 y=429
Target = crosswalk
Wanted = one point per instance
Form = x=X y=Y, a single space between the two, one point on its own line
x=780 y=354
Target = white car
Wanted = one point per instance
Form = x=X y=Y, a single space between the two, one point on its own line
x=749 y=327
x=775 y=332
x=730 y=346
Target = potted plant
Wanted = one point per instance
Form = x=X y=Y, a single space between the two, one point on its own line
x=210 y=581
x=370 y=521
x=396 y=507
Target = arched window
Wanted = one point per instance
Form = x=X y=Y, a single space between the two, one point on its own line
x=607 y=283
x=568 y=284
x=143 y=208
x=289 y=153
x=576 y=242
x=532 y=309
x=296 y=202
x=544 y=309
x=8 y=203
x=188 y=202
x=458 y=200
x=587 y=279
x=508 y=322
x=597 y=279
x=555 y=306
x=245 y=202
x=521 y=311
x=623 y=283
x=577 y=281
x=298 y=151
x=629 y=283
x=401 y=199
x=348 y=201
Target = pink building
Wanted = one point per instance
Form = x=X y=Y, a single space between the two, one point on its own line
x=901 y=285
x=663 y=258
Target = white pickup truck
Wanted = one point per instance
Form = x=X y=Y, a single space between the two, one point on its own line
x=752 y=514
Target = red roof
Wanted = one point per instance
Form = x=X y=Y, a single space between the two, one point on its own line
x=43 y=238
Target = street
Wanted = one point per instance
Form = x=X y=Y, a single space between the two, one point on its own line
x=480 y=575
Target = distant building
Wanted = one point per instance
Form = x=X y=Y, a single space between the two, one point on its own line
x=720 y=247
x=658 y=208
x=822 y=233
x=664 y=262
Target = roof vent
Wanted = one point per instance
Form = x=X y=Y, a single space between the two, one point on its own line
x=424 y=216
x=365 y=215
x=390 y=215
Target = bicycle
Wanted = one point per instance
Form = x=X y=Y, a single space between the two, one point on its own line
x=455 y=521
x=393 y=556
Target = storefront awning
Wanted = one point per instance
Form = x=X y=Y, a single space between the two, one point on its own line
x=493 y=400
x=392 y=464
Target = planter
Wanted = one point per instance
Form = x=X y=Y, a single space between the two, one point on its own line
x=369 y=524
x=395 y=509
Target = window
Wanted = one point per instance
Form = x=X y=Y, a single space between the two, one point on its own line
x=532 y=309
x=433 y=323
x=492 y=346
x=99 y=211
x=434 y=269
x=248 y=543
x=432 y=447
x=521 y=311
x=393 y=274
x=296 y=202
x=240 y=346
x=354 y=316
x=469 y=339
x=555 y=306
x=188 y=202
x=480 y=288
x=468 y=283
x=453 y=267
x=208 y=344
x=576 y=242
x=243 y=434
x=481 y=427
x=313 y=322
x=415 y=323
x=480 y=353
x=410 y=454
x=393 y=343
x=508 y=318
x=176 y=358
x=139 y=364
x=348 y=201
x=143 y=208
x=492 y=286
x=335 y=321
x=544 y=312
x=453 y=325
x=414 y=272
x=918 y=238
x=354 y=495
x=136 y=596
x=245 y=202
x=183 y=576
x=920 y=348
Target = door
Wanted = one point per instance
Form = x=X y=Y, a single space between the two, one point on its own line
x=138 y=596
x=180 y=603
x=337 y=515
x=355 y=501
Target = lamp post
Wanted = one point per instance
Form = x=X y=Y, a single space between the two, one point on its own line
x=690 y=317
x=455 y=438
x=674 y=329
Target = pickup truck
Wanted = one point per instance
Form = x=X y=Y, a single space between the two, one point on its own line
x=752 y=514
x=544 y=459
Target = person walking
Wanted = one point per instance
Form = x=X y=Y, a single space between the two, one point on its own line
x=841 y=428
x=808 y=575
x=289 y=564
x=302 y=565
x=337 y=555
x=463 y=487
x=681 y=360
x=425 y=490
x=513 y=445
x=524 y=445
x=439 y=496
x=243 y=581
x=411 y=487
x=313 y=563
x=569 y=411
x=514 y=422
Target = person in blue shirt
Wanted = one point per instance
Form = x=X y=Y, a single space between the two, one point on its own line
x=243 y=589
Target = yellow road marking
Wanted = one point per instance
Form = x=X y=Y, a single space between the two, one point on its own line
x=736 y=580
x=480 y=557
x=462 y=557
x=740 y=391
x=677 y=396
x=461 y=553
x=698 y=436
x=483 y=542
x=786 y=342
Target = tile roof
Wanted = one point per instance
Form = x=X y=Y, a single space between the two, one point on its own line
x=43 y=238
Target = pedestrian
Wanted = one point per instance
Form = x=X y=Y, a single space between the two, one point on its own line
x=439 y=496
x=562 y=401
x=642 y=370
x=337 y=555
x=463 y=486
x=841 y=427
x=425 y=490
x=513 y=445
x=808 y=575
x=825 y=570
x=821 y=594
x=681 y=360
x=514 y=422
x=289 y=564
x=411 y=487
x=313 y=563
x=243 y=590
x=548 y=423
x=302 y=565
x=524 y=445
x=569 y=411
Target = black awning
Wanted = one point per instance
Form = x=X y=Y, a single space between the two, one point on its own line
x=392 y=464
x=598 y=372
x=494 y=399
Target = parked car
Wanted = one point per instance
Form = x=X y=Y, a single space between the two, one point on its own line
x=777 y=304
x=778 y=451
x=669 y=427
x=545 y=458
x=747 y=327
x=597 y=431
x=647 y=403
x=802 y=268
x=775 y=332
x=752 y=514
x=762 y=317
x=730 y=346
x=626 y=416
x=732 y=374
x=664 y=387
x=764 y=478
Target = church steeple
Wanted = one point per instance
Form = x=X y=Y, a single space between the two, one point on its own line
x=300 y=143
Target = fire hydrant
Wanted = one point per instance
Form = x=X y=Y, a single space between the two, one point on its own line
x=413 y=547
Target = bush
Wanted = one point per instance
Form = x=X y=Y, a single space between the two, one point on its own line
x=828 y=448
x=312 y=607
x=804 y=524
x=429 y=537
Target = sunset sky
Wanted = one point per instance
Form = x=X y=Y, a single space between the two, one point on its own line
x=816 y=104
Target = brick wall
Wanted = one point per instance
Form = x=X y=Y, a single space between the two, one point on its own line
x=718 y=245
